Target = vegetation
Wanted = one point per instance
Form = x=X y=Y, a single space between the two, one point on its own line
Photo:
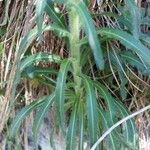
x=88 y=59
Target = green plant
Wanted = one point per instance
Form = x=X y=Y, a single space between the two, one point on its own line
x=92 y=107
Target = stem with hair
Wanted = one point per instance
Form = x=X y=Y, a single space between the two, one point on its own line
x=74 y=23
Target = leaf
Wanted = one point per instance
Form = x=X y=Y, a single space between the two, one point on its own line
x=60 y=91
x=22 y=114
x=81 y=124
x=109 y=99
x=33 y=71
x=71 y=134
x=107 y=125
x=129 y=129
x=134 y=61
x=32 y=35
x=91 y=32
x=40 y=114
x=40 y=8
x=91 y=110
x=55 y=17
x=108 y=119
x=127 y=40
x=124 y=81
x=145 y=38
x=39 y=57
x=135 y=17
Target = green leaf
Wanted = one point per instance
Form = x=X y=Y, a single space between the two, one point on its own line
x=127 y=40
x=32 y=35
x=129 y=128
x=33 y=71
x=91 y=110
x=134 y=61
x=39 y=57
x=60 y=91
x=108 y=97
x=91 y=32
x=71 y=134
x=54 y=16
x=40 y=8
x=40 y=114
x=145 y=39
x=24 y=112
x=106 y=126
x=135 y=17
x=81 y=124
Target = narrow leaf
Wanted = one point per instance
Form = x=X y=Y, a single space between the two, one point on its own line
x=71 y=135
x=40 y=9
x=60 y=91
x=135 y=17
x=81 y=125
x=22 y=114
x=91 y=32
x=127 y=40
x=91 y=110
x=39 y=57
x=54 y=16
x=40 y=114
x=129 y=130
x=106 y=126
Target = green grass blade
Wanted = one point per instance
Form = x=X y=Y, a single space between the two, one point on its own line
x=127 y=40
x=39 y=57
x=60 y=91
x=71 y=134
x=22 y=114
x=91 y=110
x=91 y=32
x=40 y=114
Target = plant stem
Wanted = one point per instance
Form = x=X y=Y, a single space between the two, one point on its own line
x=74 y=23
